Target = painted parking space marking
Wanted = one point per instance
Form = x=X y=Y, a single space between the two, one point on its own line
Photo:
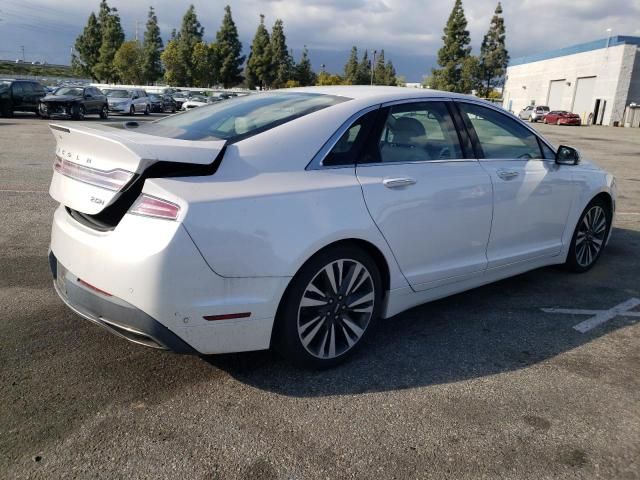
x=598 y=317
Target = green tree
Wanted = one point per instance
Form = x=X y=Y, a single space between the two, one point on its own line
x=204 y=68
x=112 y=38
x=494 y=56
x=151 y=49
x=103 y=14
x=87 y=48
x=364 y=70
x=453 y=52
x=229 y=52
x=190 y=34
x=260 y=63
x=282 y=61
x=380 y=70
x=470 y=75
x=325 y=78
x=174 y=66
x=351 y=67
x=391 y=75
x=304 y=73
x=127 y=62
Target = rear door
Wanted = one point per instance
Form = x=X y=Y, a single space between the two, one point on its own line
x=532 y=194
x=432 y=204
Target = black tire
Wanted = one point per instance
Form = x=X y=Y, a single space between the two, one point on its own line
x=132 y=110
x=336 y=320
x=77 y=112
x=6 y=110
x=575 y=260
x=558 y=122
x=173 y=109
x=146 y=110
x=104 y=113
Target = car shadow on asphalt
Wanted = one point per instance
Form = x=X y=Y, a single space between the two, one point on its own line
x=486 y=331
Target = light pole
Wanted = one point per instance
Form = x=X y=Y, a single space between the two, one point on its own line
x=373 y=62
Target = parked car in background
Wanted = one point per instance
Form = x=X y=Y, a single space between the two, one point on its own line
x=168 y=104
x=296 y=218
x=562 y=117
x=525 y=113
x=20 y=96
x=162 y=103
x=129 y=102
x=74 y=102
x=155 y=101
x=180 y=97
x=538 y=113
x=196 y=101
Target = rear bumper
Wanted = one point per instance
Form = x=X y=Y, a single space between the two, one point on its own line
x=154 y=271
x=113 y=314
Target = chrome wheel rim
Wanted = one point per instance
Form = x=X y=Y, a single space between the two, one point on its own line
x=336 y=308
x=591 y=236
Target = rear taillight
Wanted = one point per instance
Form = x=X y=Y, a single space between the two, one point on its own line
x=149 y=206
x=114 y=180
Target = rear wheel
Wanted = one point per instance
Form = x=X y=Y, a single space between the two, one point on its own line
x=545 y=121
x=132 y=110
x=589 y=237
x=558 y=122
x=146 y=110
x=6 y=109
x=330 y=306
x=104 y=113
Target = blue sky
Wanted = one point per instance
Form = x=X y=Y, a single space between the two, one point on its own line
x=409 y=30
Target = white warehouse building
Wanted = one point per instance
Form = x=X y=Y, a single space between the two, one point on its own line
x=597 y=80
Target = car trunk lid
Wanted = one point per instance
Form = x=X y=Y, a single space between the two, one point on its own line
x=93 y=166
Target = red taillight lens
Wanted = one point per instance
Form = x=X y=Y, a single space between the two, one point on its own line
x=149 y=206
x=113 y=180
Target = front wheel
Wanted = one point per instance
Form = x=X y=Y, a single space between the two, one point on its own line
x=78 y=112
x=330 y=306
x=132 y=110
x=104 y=113
x=589 y=237
x=558 y=122
x=147 y=110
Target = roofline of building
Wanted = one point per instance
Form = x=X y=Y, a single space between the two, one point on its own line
x=580 y=48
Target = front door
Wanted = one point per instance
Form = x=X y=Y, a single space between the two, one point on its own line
x=432 y=204
x=532 y=194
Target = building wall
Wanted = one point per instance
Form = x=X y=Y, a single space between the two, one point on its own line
x=613 y=67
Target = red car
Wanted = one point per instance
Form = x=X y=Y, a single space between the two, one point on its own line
x=561 y=117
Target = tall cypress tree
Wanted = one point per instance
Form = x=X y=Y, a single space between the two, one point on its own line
x=364 y=70
x=391 y=74
x=351 y=67
x=380 y=70
x=259 y=65
x=281 y=59
x=190 y=35
x=305 y=75
x=494 y=56
x=229 y=56
x=453 y=53
x=151 y=49
x=87 y=48
x=174 y=65
x=112 y=39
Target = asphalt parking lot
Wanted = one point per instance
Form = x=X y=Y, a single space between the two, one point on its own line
x=484 y=384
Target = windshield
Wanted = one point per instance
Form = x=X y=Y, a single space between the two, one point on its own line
x=198 y=99
x=240 y=117
x=118 y=94
x=4 y=84
x=73 y=91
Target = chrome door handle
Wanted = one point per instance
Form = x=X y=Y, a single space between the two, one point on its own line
x=507 y=174
x=398 y=182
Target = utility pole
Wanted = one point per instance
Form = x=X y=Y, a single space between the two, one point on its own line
x=137 y=22
x=373 y=62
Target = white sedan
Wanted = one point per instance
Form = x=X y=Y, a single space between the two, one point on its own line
x=296 y=219
x=196 y=101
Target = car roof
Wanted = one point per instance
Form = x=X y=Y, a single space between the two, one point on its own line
x=377 y=93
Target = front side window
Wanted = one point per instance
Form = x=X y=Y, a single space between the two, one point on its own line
x=417 y=132
x=17 y=89
x=500 y=137
x=241 y=117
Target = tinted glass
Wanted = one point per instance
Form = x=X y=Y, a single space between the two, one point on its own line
x=118 y=93
x=500 y=136
x=419 y=132
x=73 y=91
x=17 y=88
x=347 y=148
x=241 y=117
x=547 y=152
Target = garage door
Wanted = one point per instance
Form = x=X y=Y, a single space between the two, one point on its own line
x=583 y=102
x=556 y=89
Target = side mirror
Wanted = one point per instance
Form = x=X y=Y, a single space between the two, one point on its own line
x=567 y=156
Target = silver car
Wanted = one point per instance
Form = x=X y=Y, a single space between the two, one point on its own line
x=533 y=113
x=129 y=101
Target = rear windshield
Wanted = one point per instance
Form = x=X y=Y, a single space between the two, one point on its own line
x=118 y=93
x=240 y=117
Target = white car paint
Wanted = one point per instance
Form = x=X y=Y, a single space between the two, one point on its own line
x=243 y=232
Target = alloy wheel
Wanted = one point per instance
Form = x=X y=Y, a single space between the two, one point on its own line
x=336 y=308
x=591 y=236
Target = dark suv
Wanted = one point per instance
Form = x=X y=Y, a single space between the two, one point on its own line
x=20 y=96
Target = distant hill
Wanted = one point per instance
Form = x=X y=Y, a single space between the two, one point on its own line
x=8 y=69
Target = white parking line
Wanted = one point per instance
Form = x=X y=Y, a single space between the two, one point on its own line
x=627 y=213
x=599 y=316
x=22 y=191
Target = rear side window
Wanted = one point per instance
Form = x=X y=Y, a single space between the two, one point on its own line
x=17 y=88
x=500 y=136
x=240 y=117
x=347 y=149
x=419 y=132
